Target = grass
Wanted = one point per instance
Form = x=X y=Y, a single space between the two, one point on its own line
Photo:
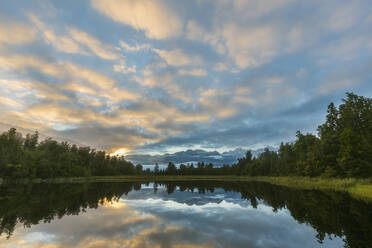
x=358 y=188
x=362 y=191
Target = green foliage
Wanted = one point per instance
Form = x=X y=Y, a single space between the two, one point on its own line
x=26 y=158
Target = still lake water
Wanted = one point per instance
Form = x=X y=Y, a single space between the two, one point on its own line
x=180 y=214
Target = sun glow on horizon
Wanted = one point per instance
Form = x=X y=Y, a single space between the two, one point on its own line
x=120 y=152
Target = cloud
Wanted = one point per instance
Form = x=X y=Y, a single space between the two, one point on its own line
x=252 y=9
x=110 y=137
x=193 y=72
x=301 y=73
x=156 y=18
x=218 y=103
x=137 y=47
x=345 y=78
x=181 y=74
x=178 y=58
x=194 y=31
x=236 y=31
x=97 y=47
x=100 y=130
x=220 y=67
x=17 y=87
x=251 y=34
x=16 y=33
x=9 y=102
x=166 y=79
x=217 y=136
x=51 y=114
x=247 y=46
x=88 y=75
x=75 y=41
x=347 y=48
x=250 y=47
x=22 y=62
x=344 y=16
x=96 y=82
x=62 y=43
x=146 y=112
x=123 y=68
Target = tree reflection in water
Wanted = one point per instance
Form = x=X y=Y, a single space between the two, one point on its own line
x=329 y=213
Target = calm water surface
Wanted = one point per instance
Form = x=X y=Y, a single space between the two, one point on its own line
x=180 y=214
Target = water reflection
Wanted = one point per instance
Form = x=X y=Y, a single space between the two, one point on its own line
x=180 y=214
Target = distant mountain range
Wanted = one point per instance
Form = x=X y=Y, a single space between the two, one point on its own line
x=193 y=156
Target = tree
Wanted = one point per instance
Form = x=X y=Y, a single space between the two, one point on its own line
x=306 y=149
x=355 y=156
x=139 y=169
x=287 y=159
x=156 y=169
x=183 y=169
x=31 y=141
x=171 y=169
x=329 y=139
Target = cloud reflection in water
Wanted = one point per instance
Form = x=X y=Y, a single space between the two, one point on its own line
x=180 y=219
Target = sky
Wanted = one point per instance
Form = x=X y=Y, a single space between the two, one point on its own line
x=165 y=76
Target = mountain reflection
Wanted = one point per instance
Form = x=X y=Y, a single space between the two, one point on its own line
x=180 y=214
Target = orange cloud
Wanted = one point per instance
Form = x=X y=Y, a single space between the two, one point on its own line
x=154 y=17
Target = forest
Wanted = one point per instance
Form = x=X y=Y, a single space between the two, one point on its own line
x=342 y=148
x=25 y=157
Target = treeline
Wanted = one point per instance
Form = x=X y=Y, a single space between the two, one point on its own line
x=342 y=148
x=25 y=157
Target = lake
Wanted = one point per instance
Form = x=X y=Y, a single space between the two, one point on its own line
x=180 y=214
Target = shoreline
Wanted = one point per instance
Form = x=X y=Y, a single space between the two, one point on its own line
x=358 y=188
